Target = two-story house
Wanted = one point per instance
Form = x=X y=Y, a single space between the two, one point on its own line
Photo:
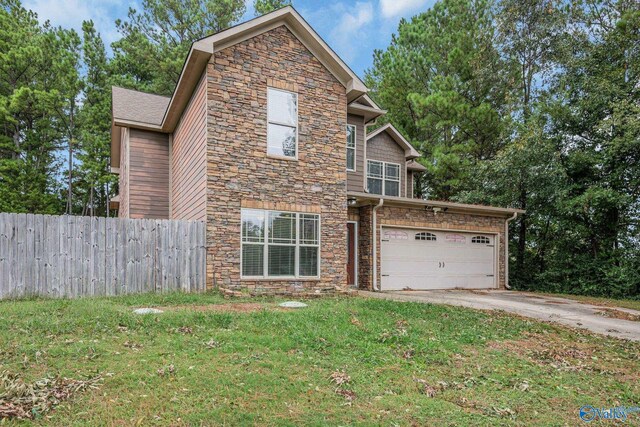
x=266 y=139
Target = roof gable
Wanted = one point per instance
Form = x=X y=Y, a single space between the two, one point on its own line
x=410 y=152
x=202 y=49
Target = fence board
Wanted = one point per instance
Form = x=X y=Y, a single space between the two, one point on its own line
x=67 y=256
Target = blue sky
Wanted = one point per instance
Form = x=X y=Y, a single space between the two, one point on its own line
x=352 y=28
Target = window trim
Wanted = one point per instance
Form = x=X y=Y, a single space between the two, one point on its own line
x=297 y=245
x=354 y=148
x=269 y=121
x=384 y=177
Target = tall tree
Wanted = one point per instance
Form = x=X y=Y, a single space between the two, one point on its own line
x=529 y=33
x=597 y=126
x=443 y=82
x=96 y=183
x=155 y=41
x=30 y=90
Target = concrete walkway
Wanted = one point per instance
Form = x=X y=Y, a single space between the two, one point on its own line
x=551 y=309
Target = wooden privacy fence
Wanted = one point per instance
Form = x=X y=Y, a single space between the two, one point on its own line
x=70 y=256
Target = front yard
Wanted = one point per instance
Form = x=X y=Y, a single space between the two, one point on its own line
x=207 y=360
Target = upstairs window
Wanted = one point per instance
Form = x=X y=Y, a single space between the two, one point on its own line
x=282 y=123
x=383 y=178
x=351 y=148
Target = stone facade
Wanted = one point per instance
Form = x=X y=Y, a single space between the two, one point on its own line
x=240 y=174
x=420 y=218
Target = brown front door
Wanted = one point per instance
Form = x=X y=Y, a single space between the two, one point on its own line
x=351 y=253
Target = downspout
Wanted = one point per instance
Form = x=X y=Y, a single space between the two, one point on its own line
x=375 y=245
x=506 y=249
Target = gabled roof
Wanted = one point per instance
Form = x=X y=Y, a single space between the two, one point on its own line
x=410 y=152
x=202 y=49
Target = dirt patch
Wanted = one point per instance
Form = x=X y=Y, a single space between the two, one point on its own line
x=619 y=314
x=548 y=301
x=244 y=307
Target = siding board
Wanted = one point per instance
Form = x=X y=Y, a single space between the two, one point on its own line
x=189 y=160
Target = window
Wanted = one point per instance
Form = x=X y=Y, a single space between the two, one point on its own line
x=280 y=244
x=383 y=178
x=351 y=148
x=282 y=126
x=430 y=237
x=481 y=240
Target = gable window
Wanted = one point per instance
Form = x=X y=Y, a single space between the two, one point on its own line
x=351 y=148
x=383 y=178
x=282 y=126
x=280 y=244
x=429 y=237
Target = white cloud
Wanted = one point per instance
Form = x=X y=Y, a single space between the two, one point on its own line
x=349 y=29
x=351 y=22
x=393 y=8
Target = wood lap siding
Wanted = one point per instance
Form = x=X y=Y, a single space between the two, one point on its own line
x=123 y=210
x=189 y=160
x=355 y=180
x=148 y=174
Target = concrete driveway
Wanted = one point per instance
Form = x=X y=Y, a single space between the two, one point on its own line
x=551 y=309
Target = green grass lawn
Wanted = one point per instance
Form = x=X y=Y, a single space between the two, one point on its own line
x=399 y=363
x=633 y=304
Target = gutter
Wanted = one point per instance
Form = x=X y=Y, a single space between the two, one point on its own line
x=375 y=246
x=506 y=249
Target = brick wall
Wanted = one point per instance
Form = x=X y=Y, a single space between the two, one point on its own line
x=240 y=173
x=419 y=217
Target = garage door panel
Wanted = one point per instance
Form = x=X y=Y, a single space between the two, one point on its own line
x=413 y=259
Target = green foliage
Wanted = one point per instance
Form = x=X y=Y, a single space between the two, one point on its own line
x=30 y=88
x=442 y=81
x=263 y=7
x=557 y=116
x=156 y=40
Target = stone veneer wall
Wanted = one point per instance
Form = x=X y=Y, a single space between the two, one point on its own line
x=419 y=217
x=240 y=174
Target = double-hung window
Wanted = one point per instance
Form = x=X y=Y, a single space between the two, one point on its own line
x=282 y=126
x=280 y=244
x=351 y=148
x=383 y=178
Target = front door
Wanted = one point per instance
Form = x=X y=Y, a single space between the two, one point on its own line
x=351 y=253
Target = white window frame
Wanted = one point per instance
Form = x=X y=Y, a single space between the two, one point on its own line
x=352 y=148
x=384 y=177
x=266 y=244
x=269 y=121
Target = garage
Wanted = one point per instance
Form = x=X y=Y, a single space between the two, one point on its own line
x=422 y=259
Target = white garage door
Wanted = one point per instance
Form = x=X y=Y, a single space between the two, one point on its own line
x=425 y=259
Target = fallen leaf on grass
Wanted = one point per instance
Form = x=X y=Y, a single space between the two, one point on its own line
x=340 y=378
x=425 y=388
x=21 y=400
x=167 y=370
